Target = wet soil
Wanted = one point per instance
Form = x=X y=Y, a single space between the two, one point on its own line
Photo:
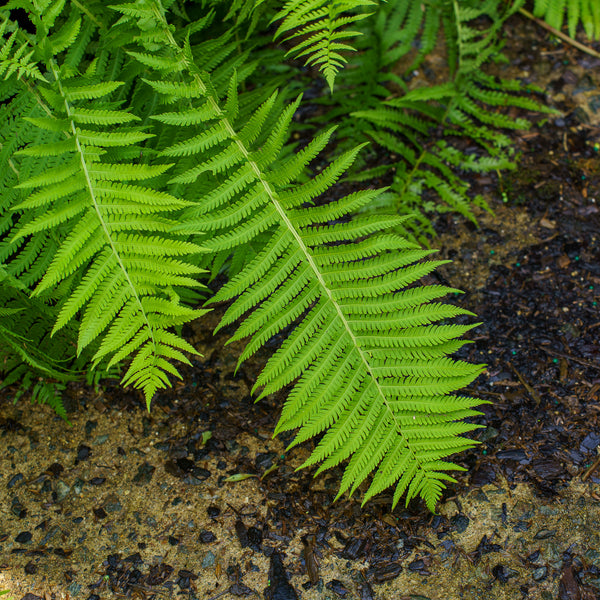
x=196 y=500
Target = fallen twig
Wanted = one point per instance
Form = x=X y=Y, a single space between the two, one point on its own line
x=560 y=34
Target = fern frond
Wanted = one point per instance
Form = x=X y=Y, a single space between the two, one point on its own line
x=321 y=27
x=328 y=272
x=584 y=12
x=16 y=59
x=364 y=402
x=469 y=109
x=106 y=226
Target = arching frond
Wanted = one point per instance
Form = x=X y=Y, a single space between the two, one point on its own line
x=315 y=262
x=103 y=222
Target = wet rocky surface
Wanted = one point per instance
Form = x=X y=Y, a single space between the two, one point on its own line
x=196 y=500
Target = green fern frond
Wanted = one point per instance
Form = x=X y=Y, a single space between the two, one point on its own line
x=469 y=109
x=586 y=12
x=321 y=27
x=328 y=272
x=107 y=227
x=16 y=60
x=364 y=403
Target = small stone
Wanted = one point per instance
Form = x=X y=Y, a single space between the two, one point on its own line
x=90 y=426
x=113 y=506
x=56 y=469
x=208 y=561
x=489 y=433
x=14 y=480
x=17 y=508
x=460 y=522
x=99 y=513
x=83 y=452
x=264 y=460
x=544 y=534
x=74 y=588
x=23 y=538
x=99 y=440
x=416 y=565
x=213 y=511
x=62 y=489
x=30 y=568
x=206 y=537
x=540 y=574
x=502 y=573
x=144 y=474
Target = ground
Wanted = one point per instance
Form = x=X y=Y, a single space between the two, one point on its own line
x=196 y=499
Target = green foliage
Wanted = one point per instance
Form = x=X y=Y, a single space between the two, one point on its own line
x=586 y=12
x=321 y=25
x=428 y=172
x=148 y=146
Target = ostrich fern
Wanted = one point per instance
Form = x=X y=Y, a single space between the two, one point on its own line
x=147 y=147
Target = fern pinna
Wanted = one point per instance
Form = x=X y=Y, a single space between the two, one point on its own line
x=371 y=370
x=113 y=257
x=584 y=12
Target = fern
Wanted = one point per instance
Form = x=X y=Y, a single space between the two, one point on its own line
x=321 y=27
x=586 y=12
x=27 y=350
x=371 y=369
x=112 y=250
x=403 y=121
x=359 y=333
x=148 y=145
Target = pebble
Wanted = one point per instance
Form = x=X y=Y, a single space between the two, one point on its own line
x=17 y=508
x=544 y=534
x=113 y=506
x=213 y=511
x=14 y=480
x=502 y=573
x=62 y=489
x=144 y=474
x=460 y=522
x=208 y=561
x=83 y=452
x=24 y=537
x=78 y=486
x=30 y=568
x=540 y=574
x=206 y=537
x=74 y=588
